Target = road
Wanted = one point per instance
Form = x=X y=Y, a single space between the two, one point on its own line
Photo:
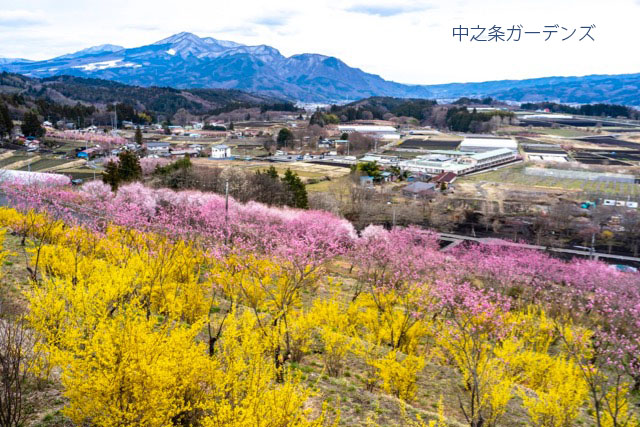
x=456 y=239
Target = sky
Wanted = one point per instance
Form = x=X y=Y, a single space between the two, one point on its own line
x=403 y=41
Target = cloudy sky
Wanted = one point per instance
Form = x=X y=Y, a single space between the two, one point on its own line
x=405 y=41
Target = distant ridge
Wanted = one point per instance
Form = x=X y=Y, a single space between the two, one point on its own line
x=185 y=60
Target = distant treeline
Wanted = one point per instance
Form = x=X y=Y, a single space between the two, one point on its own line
x=380 y=108
x=463 y=120
x=598 y=110
x=234 y=105
x=52 y=111
x=471 y=101
x=133 y=103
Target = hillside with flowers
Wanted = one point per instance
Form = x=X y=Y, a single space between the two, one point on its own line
x=149 y=307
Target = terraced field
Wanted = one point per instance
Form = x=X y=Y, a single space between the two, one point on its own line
x=45 y=163
x=430 y=144
x=13 y=159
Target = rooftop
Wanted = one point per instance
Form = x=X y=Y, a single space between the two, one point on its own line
x=367 y=128
x=491 y=153
x=481 y=141
x=419 y=186
x=445 y=177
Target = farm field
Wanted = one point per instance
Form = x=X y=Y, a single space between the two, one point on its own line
x=593 y=157
x=610 y=141
x=515 y=175
x=303 y=169
x=556 y=132
x=430 y=144
x=68 y=146
x=46 y=163
x=14 y=158
x=337 y=186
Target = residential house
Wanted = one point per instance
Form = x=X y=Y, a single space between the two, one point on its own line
x=420 y=189
x=158 y=147
x=220 y=151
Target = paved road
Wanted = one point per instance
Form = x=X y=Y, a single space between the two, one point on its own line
x=456 y=239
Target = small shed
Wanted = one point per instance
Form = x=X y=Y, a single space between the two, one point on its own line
x=445 y=177
x=366 y=181
x=419 y=189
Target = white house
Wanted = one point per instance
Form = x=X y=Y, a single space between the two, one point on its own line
x=157 y=147
x=220 y=152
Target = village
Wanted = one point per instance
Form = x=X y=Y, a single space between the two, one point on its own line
x=383 y=171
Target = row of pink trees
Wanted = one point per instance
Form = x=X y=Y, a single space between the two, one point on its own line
x=297 y=236
x=95 y=138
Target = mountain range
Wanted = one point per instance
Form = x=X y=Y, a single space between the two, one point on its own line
x=186 y=61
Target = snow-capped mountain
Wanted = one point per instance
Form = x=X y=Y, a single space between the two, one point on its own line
x=13 y=61
x=95 y=50
x=185 y=60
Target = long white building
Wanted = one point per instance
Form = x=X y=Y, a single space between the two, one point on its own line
x=458 y=162
x=366 y=128
x=379 y=132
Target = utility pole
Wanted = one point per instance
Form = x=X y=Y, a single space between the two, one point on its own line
x=393 y=213
x=394 y=216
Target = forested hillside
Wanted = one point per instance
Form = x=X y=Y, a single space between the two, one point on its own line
x=73 y=97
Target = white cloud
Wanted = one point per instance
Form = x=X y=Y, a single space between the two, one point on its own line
x=386 y=10
x=21 y=18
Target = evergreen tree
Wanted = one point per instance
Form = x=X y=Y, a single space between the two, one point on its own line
x=371 y=169
x=6 y=124
x=138 y=136
x=129 y=166
x=31 y=125
x=317 y=118
x=111 y=175
x=231 y=125
x=284 y=136
x=297 y=189
x=127 y=169
x=272 y=172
